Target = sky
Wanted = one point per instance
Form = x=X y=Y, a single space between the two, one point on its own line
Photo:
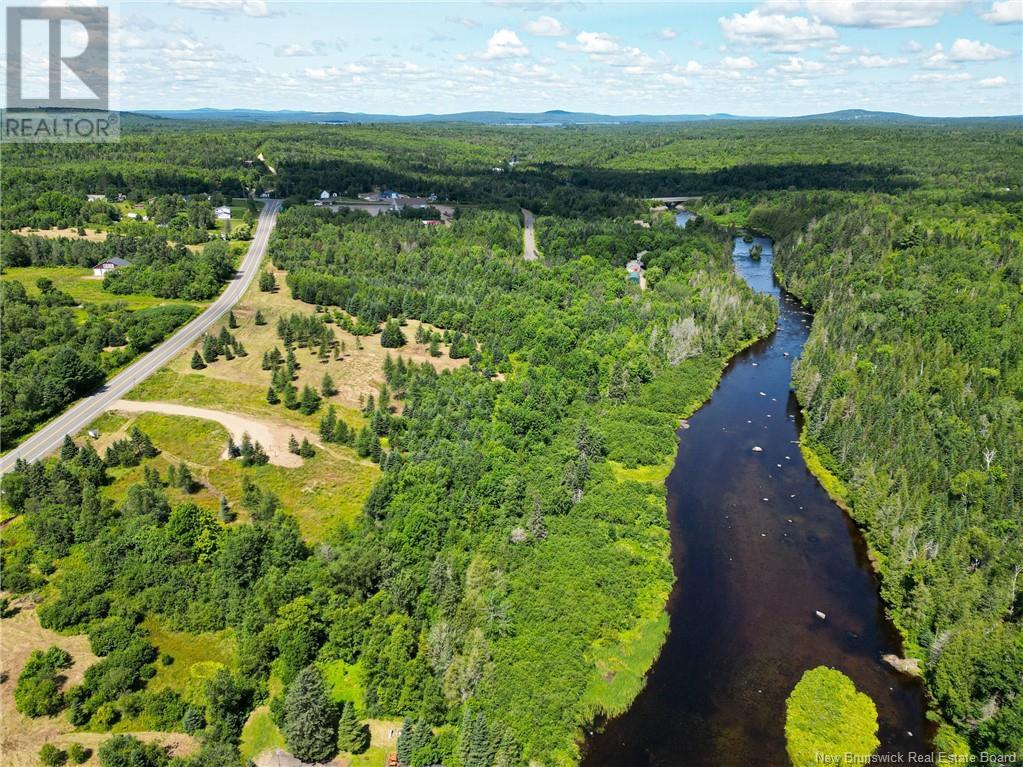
x=779 y=57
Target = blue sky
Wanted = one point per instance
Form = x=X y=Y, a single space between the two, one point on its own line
x=780 y=57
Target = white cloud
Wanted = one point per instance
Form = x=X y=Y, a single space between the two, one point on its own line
x=936 y=58
x=775 y=31
x=795 y=64
x=690 y=67
x=890 y=14
x=742 y=62
x=248 y=7
x=546 y=26
x=504 y=44
x=668 y=34
x=596 y=42
x=799 y=82
x=942 y=77
x=993 y=82
x=297 y=49
x=323 y=74
x=1005 y=12
x=974 y=50
x=840 y=50
x=876 y=62
x=913 y=46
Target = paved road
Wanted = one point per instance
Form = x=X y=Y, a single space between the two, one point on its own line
x=529 y=236
x=85 y=411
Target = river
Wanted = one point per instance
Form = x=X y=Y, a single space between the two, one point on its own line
x=758 y=548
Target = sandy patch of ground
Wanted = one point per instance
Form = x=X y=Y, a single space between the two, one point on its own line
x=92 y=235
x=273 y=437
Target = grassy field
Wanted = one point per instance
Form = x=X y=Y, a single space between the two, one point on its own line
x=242 y=383
x=197 y=658
x=82 y=286
x=324 y=491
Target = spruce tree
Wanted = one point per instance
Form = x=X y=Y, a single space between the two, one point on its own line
x=342 y=434
x=186 y=483
x=292 y=444
x=327 y=386
x=260 y=319
x=405 y=742
x=290 y=398
x=232 y=322
x=197 y=363
x=225 y=512
x=310 y=718
x=391 y=337
x=328 y=423
x=271 y=396
x=210 y=349
x=68 y=450
x=310 y=401
x=352 y=735
x=305 y=449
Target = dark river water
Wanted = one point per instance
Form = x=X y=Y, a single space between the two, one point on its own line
x=758 y=548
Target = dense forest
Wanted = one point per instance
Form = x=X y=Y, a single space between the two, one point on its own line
x=508 y=552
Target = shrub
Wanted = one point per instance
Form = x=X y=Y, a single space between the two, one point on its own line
x=825 y=714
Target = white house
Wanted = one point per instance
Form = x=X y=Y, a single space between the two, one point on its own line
x=222 y=213
x=104 y=267
x=324 y=195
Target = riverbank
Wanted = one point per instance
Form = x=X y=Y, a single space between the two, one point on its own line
x=771 y=579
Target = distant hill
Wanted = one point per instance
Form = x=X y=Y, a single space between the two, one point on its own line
x=554 y=117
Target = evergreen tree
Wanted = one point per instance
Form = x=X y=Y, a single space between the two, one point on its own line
x=260 y=319
x=327 y=386
x=225 y=512
x=364 y=442
x=90 y=520
x=618 y=387
x=68 y=450
x=310 y=401
x=210 y=350
x=290 y=397
x=141 y=443
x=342 y=434
x=232 y=322
x=271 y=396
x=305 y=449
x=267 y=282
x=376 y=450
x=405 y=742
x=434 y=347
x=328 y=423
x=197 y=363
x=185 y=480
x=292 y=444
x=391 y=337
x=291 y=364
x=352 y=735
x=310 y=718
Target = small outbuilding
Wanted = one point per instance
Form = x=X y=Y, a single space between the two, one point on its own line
x=223 y=213
x=104 y=267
